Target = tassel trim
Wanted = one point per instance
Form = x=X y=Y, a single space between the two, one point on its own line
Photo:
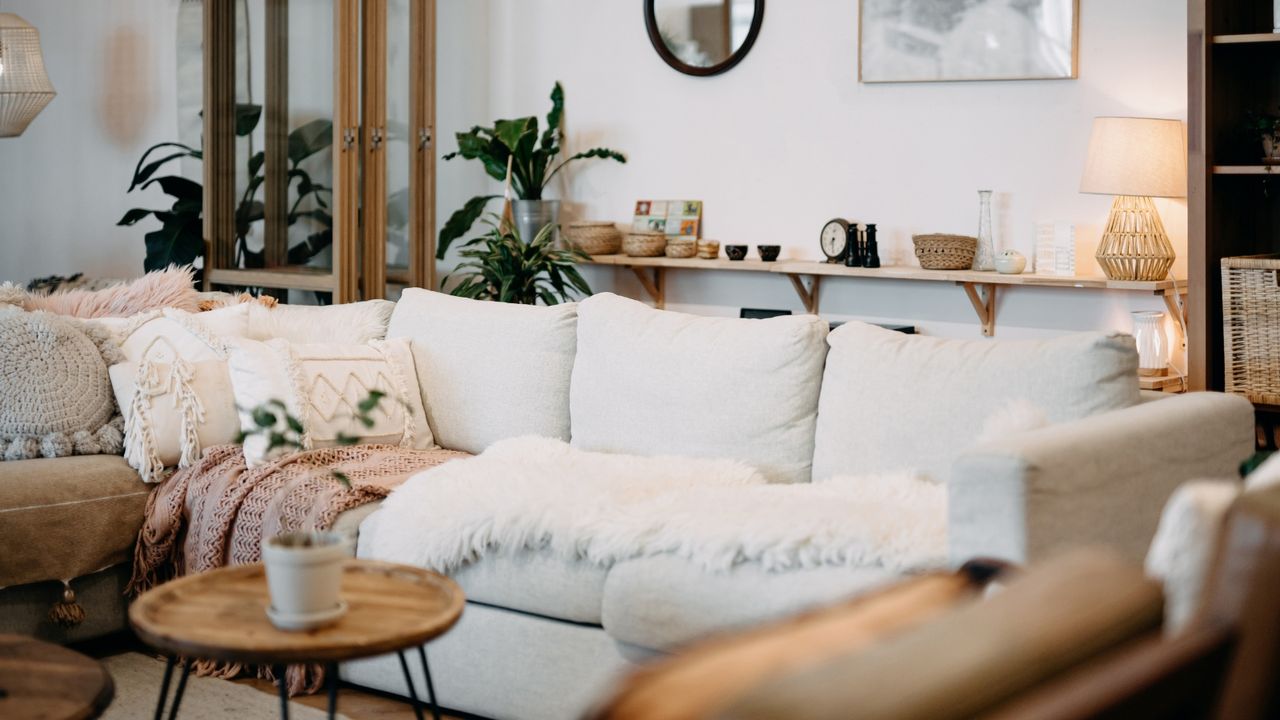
x=66 y=612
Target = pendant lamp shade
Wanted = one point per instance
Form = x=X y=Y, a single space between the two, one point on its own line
x=24 y=86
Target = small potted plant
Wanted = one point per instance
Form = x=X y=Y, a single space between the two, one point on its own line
x=501 y=266
x=304 y=569
x=1267 y=129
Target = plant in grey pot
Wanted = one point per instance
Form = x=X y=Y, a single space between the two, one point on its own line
x=533 y=164
x=501 y=266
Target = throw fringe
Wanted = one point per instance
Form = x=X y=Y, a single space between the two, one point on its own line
x=192 y=412
x=66 y=613
x=140 y=439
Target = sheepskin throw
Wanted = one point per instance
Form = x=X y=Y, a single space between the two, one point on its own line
x=536 y=493
x=169 y=288
x=55 y=397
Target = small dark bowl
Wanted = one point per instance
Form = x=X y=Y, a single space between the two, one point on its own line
x=768 y=253
x=735 y=252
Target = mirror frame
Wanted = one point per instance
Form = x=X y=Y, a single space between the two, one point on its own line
x=651 y=25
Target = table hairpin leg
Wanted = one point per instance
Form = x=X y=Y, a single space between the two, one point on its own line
x=408 y=680
x=431 y=688
x=283 y=684
x=164 y=687
x=331 y=679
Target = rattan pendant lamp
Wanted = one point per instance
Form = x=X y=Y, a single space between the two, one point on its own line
x=1135 y=159
x=25 y=89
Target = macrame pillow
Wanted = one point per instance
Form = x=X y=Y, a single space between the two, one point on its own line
x=322 y=385
x=55 y=398
x=173 y=388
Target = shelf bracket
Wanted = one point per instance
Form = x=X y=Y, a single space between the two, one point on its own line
x=1171 y=302
x=655 y=286
x=808 y=295
x=983 y=298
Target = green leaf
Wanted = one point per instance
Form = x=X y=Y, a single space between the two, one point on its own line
x=179 y=242
x=134 y=216
x=460 y=223
x=371 y=402
x=179 y=187
x=308 y=139
x=551 y=136
x=145 y=173
x=255 y=162
x=137 y=170
x=603 y=153
x=294 y=424
x=342 y=478
x=511 y=132
x=247 y=117
x=263 y=418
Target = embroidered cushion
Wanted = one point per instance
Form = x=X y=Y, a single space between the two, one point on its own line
x=173 y=388
x=321 y=385
x=55 y=398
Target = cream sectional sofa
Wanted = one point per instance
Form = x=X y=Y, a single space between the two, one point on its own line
x=542 y=637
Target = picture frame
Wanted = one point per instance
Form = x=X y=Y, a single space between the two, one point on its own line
x=906 y=41
x=673 y=218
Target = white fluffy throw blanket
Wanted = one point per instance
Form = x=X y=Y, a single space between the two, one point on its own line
x=531 y=493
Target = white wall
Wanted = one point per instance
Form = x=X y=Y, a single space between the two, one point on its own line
x=790 y=139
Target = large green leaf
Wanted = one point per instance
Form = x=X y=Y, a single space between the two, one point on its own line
x=134 y=216
x=603 y=153
x=551 y=136
x=247 y=116
x=310 y=138
x=256 y=161
x=178 y=242
x=511 y=132
x=460 y=223
x=179 y=187
x=145 y=173
x=143 y=166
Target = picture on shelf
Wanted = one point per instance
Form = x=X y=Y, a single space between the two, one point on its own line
x=674 y=218
x=909 y=41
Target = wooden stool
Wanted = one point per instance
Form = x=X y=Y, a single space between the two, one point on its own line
x=43 y=680
x=221 y=615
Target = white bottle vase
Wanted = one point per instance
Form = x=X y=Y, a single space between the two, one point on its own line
x=1153 y=344
x=985 y=257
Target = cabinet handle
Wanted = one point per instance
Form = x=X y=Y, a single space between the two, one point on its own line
x=424 y=138
x=348 y=138
x=375 y=138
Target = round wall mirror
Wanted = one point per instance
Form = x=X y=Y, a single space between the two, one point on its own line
x=703 y=37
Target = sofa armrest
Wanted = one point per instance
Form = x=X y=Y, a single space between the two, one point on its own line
x=1103 y=479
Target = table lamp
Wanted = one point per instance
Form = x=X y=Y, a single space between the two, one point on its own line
x=1135 y=159
x=24 y=86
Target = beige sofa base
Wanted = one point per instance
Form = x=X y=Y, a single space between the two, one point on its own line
x=24 y=609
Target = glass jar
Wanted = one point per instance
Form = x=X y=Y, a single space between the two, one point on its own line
x=1153 y=343
x=985 y=257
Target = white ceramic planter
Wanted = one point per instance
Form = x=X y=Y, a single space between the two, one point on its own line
x=304 y=575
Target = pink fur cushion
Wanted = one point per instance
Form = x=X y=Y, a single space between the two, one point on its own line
x=168 y=288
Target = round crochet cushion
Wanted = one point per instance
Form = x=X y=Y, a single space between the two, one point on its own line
x=55 y=394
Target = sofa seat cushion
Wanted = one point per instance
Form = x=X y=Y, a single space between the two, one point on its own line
x=663 y=601
x=652 y=382
x=66 y=517
x=536 y=582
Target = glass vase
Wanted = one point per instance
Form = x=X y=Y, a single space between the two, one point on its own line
x=1153 y=344
x=985 y=257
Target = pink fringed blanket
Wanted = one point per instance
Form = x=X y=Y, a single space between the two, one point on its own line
x=218 y=511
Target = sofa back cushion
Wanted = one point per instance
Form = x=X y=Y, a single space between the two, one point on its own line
x=892 y=401
x=489 y=370
x=651 y=382
x=346 y=324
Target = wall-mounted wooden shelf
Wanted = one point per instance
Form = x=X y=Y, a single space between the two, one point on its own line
x=1246 y=39
x=980 y=287
x=1246 y=169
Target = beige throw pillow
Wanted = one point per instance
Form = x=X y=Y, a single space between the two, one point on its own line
x=321 y=386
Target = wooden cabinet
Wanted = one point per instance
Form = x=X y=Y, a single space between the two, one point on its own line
x=318 y=126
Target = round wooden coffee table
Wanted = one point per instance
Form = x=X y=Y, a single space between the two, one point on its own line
x=43 y=680
x=221 y=615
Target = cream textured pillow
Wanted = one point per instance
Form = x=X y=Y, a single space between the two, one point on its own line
x=489 y=371
x=173 y=388
x=348 y=324
x=892 y=401
x=651 y=382
x=321 y=385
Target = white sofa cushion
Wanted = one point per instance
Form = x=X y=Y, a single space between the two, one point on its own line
x=347 y=324
x=893 y=401
x=651 y=382
x=489 y=371
x=322 y=385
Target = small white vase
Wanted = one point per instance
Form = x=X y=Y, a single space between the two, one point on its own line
x=1153 y=344
x=304 y=576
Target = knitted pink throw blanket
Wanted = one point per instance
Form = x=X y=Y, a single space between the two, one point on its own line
x=218 y=511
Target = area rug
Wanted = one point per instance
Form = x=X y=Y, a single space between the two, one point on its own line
x=138 y=677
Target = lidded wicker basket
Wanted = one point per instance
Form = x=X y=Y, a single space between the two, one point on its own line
x=644 y=244
x=945 y=252
x=594 y=238
x=1251 y=327
x=682 y=248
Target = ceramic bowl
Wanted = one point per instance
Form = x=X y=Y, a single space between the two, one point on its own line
x=1011 y=262
x=735 y=252
x=768 y=253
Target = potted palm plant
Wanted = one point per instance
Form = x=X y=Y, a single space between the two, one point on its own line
x=532 y=158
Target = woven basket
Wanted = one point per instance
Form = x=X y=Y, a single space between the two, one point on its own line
x=1251 y=327
x=594 y=238
x=708 y=249
x=644 y=244
x=682 y=248
x=945 y=252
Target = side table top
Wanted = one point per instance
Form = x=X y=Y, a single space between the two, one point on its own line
x=47 y=681
x=221 y=615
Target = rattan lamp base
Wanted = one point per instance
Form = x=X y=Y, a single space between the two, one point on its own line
x=1134 y=246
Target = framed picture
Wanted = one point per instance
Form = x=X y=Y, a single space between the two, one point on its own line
x=952 y=40
x=670 y=217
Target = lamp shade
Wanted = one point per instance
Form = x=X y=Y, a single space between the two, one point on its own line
x=25 y=89
x=1136 y=156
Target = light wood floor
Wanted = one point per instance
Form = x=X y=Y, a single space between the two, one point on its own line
x=352 y=702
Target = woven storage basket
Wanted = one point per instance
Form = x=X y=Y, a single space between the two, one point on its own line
x=682 y=248
x=1251 y=327
x=945 y=252
x=594 y=238
x=708 y=249
x=644 y=244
